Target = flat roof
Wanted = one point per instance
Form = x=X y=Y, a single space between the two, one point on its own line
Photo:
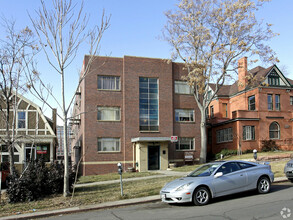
x=150 y=139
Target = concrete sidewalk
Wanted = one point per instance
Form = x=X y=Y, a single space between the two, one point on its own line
x=162 y=173
x=106 y=205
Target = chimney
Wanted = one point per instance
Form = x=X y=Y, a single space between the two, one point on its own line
x=242 y=73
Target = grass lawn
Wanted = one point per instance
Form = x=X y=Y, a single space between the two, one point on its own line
x=277 y=166
x=89 y=195
x=112 y=176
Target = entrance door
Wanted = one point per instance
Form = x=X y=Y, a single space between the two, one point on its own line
x=154 y=157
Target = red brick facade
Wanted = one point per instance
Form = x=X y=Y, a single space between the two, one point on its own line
x=129 y=69
x=237 y=96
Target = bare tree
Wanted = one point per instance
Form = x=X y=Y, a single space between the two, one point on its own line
x=210 y=36
x=16 y=53
x=61 y=31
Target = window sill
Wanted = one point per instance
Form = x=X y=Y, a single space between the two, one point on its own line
x=109 y=152
x=249 y=140
x=108 y=121
x=149 y=131
x=185 y=122
x=186 y=150
x=109 y=90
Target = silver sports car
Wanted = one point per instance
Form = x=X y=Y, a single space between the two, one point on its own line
x=288 y=170
x=218 y=179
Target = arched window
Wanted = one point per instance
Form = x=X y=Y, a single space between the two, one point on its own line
x=274 y=130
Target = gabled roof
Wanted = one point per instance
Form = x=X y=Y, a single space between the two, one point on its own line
x=260 y=73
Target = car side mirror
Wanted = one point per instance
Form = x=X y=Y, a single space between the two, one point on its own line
x=219 y=174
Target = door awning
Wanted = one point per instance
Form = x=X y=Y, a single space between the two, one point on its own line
x=150 y=139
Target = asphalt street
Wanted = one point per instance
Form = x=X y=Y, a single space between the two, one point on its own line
x=278 y=204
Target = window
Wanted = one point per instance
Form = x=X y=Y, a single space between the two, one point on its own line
x=4 y=154
x=212 y=111
x=108 y=113
x=209 y=95
x=251 y=103
x=108 y=144
x=181 y=87
x=277 y=102
x=185 y=115
x=21 y=120
x=248 y=133
x=109 y=82
x=185 y=144
x=270 y=102
x=224 y=110
x=274 y=130
x=224 y=135
x=291 y=100
x=148 y=104
x=274 y=79
x=229 y=168
x=245 y=165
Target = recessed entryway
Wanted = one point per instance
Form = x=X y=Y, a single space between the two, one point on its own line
x=154 y=157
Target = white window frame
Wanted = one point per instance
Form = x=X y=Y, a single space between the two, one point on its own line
x=181 y=113
x=102 y=148
x=291 y=100
x=111 y=110
x=16 y=153
x=21 y=120
x=183 y=139
x=181 y=87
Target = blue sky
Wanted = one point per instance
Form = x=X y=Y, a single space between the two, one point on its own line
x=135 y=29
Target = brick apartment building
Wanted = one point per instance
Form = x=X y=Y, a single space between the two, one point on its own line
x=243 y=114
x=127 y=109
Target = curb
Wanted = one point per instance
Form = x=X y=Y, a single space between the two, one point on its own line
x=106 y=205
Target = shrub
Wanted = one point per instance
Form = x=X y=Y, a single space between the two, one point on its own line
x=269 y=145
x=37 y=181
x=225 y=153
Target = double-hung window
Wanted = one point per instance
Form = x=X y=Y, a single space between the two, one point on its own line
x=108 y=82
x=251 y=103
x=291 y=100
x=108 y=144
x=185 y=144
x=184 y=115
x=21 y=120
x=248 y=133
x=108 y=114
x=270 y=102
x=277 y=103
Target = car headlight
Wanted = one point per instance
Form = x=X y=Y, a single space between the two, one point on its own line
x=183 y=187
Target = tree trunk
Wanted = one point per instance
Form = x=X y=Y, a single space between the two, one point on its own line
x=66 y=162
x=203 y=136
x=8 y=140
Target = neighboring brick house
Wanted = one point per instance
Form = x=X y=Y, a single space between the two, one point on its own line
x=127 y=109
x=243 y=114
x=34 y=134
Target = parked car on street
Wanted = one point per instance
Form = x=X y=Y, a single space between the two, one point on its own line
x=218 y=179
x=288 y=170
x=4 y=168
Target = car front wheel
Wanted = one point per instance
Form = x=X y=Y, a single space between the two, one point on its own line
x=263 y=185
x=291 y=180
x=201 y=196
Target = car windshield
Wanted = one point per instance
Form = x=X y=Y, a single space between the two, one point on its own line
x=205 y=170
